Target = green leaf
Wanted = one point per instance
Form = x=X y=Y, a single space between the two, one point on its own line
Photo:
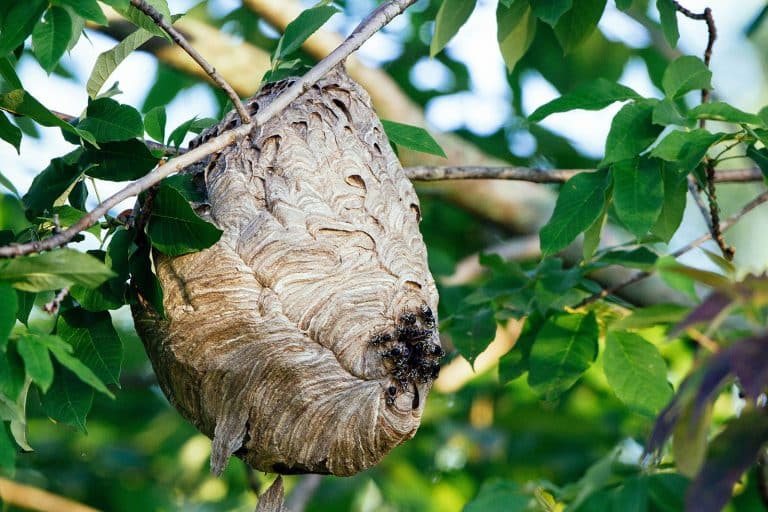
x=144 y=281
x=450 y=18
x=11 y=375
x=689 y=438
x=498 y=495
x=107 y=62
x=472 y=330
x=20 y=102
x=53 y=270
x=760 y=157
x=576 y=25
x=11 y=134
x=9 y=305
x=110 y=121
x=7 y=452
x=624 y=4
x=187 y=186
x=720 y=111
x=141 y=20
x=640 y=258
x=52 y=182
x=78 y=195
x=26 y=303
x=636 y=372
x=177 y=135
x=51 y=37
x=675 y=280
x=8 y=184
x=592 y=235
x=638 y=193
x=299 y=30
x=111 y=294
x=685 y=149
x=62 y=351
x=578 y=206
x=565 y=348
x=18 y=23
x=685 y=74
x=668 y=18
x=88 y=9
x=549 y=11
x=154 y=123
x=514 y=363
x=594 y=95
x=666 y=112
x=125 y=160
x=632 y=131
x=94 y=341
x=37 y=361
x=175 y=228
x=516 y=30
x=412 y=137
x=68 y=400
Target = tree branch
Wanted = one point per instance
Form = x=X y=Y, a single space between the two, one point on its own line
x=32 y=498
x=477 y=172
x=299 y=498
x=378 y=18
x=728 y=223
x=180 y=40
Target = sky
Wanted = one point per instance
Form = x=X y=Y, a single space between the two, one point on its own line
x=483 y=109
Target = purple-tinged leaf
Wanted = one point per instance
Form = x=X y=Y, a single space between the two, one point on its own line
x=704 y=312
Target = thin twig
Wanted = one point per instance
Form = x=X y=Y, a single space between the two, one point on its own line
x=725 y=225
x=367 y=28
x=714 y=212
x=302 y=493
x=437 y=173
x=180 y=40
x=693 y=189
x=54 y=305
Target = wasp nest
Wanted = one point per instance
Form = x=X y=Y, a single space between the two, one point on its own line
x=305 y=339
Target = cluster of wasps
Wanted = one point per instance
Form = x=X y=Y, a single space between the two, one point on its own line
x=410 y=355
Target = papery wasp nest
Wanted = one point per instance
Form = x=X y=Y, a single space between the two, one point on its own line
x=305 y=340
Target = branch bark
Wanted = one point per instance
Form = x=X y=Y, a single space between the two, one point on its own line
x=369 y=26
x=32 y=498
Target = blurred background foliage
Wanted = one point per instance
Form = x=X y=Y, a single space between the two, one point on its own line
x=482 y=442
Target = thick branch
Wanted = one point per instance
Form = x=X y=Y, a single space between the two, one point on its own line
x=184 y=44
x=369 y=26
x=299 y=498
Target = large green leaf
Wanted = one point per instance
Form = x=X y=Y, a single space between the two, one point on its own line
x=141 y=20
x=636 y=372
x=498 y=495
x=685 y=149
x=175 y=228
x=412 y=137
x=299 y=30
x=638 y=193
x=52 y=182
x=594 y=95
x=108 y=61
x=515 y=33
x=578 y=206
x=667 y=112
x=143 y=280
x=632 y=131
x=53 y=270
x=672 y=210
x=685 y=74
x=7 y=452
x=514 y=363
x=576 y=25
x=94 y=341
x=549 y=11
x=154 y=123
x=9 y=305
x=88 y=9
x=450 y=17
x=124 y=160
x=51 y=37
x=37 y=361
x=668 y=19
x=68 y=400
x=110 y=121
x=472 y=330
x=62 y=351
x=20 y=102
x=720 y=111
x=18 y=23
x=760 y=157
x=11 y=374
x=565 y=347
x=10 y=133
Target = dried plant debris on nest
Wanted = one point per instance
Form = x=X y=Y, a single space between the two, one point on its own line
x=305 y=340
